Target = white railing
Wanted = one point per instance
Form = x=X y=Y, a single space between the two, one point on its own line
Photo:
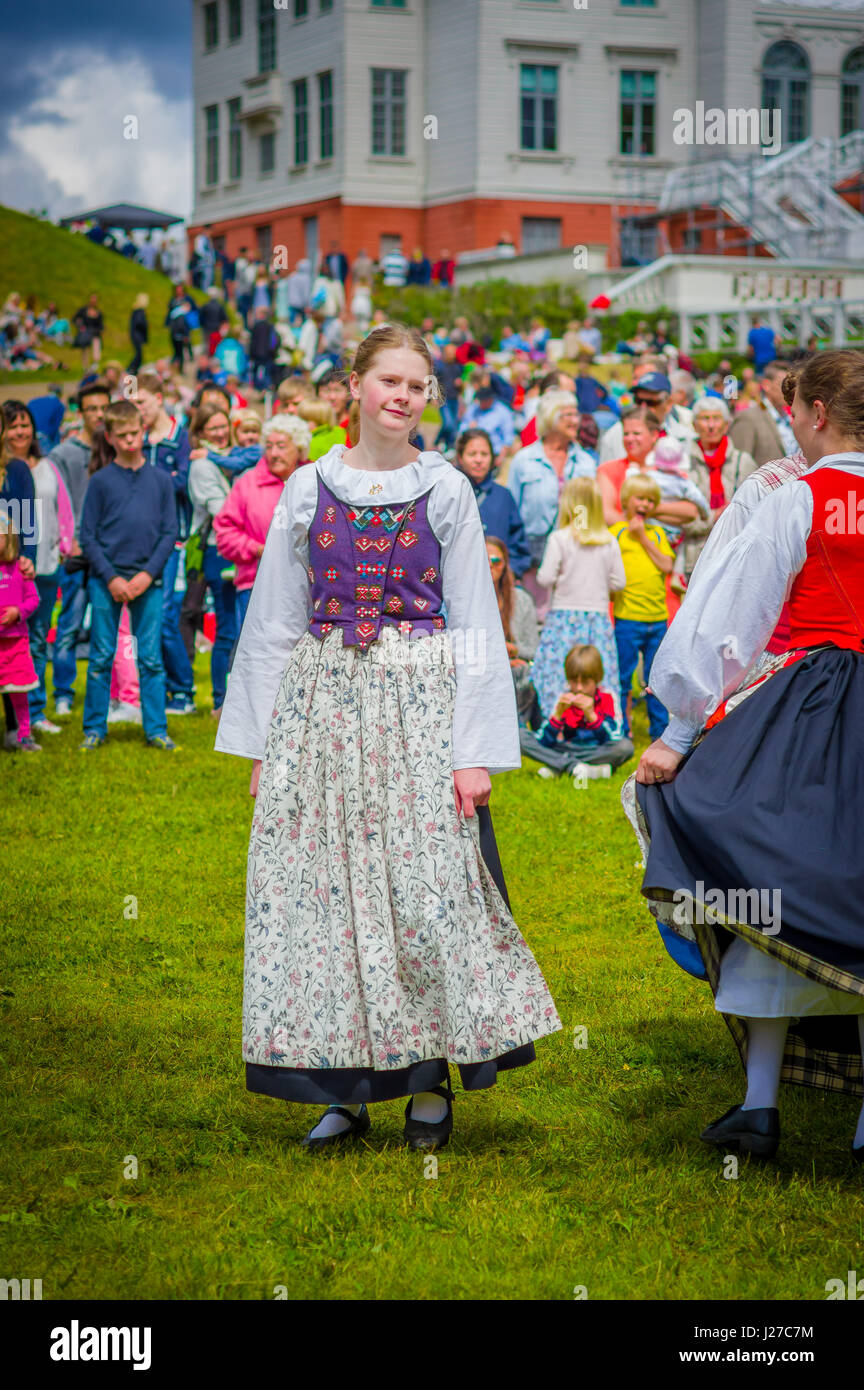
x=753 y=191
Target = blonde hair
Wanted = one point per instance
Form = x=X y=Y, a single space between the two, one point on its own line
x=317 y=412
x=9 y=546
x=141 y=301
x=581 y=512
x=382 y=339
x=640 y=485
x=294 y=386
x=244 y=417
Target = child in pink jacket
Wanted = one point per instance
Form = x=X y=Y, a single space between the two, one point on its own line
x=242 y=524
x=19 y=597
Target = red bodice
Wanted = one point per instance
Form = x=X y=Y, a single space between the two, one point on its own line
x=827 y=599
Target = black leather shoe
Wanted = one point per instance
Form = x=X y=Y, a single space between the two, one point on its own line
x=418 y=1135
x=858 y=1154
x=358 y=1124
x=746 y=1131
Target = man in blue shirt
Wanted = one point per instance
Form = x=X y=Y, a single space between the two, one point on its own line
x=128 y=533
x=761 y=344
x=488 y=413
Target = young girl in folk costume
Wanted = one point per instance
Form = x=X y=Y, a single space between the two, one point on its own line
x=19 y=599
x=372 y=689
x=758 y=826
x=582 y=566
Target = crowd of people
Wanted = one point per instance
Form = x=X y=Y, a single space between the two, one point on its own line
x=596 y=496
x=625 y=561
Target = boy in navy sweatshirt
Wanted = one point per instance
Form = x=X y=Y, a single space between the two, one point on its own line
x=583 y=734
x=128 y=533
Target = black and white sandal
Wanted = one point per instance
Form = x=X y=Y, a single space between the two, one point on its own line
x=357 y=1125
x=418 y=1135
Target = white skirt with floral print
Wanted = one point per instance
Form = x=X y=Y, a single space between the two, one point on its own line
x=375 y=935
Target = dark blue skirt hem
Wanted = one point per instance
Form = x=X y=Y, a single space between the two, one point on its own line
x=354 y=1085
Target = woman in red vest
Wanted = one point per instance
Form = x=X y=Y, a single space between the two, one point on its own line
x=756 y=830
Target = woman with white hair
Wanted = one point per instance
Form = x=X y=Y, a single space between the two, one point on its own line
x=717 y=467
x=539 y=471
x=242 y=524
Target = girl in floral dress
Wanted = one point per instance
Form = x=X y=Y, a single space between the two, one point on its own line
x=371 y=687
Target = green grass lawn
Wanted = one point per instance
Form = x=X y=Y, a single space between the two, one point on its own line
x=55 y=264
x=122 y=1041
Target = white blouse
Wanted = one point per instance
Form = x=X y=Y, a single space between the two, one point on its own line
x=485 y=725
x=736 y=514
x=732 y=606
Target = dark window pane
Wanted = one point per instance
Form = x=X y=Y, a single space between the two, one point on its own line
x=529 y=137
x=211 y=25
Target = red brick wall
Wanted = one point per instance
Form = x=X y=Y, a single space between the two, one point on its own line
x=711 y=245
x=462 y=226
x=852 y=194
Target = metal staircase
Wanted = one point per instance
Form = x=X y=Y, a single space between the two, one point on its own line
x=787 y=201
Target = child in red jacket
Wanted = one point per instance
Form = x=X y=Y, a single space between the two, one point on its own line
x=19 y=598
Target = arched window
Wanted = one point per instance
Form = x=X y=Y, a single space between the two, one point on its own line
x=852 y=92
x=786 y=87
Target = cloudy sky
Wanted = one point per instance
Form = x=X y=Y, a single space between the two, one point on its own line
x=74 y=71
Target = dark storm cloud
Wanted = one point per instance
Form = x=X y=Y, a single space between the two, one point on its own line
x=158 y=33
x=45 y=37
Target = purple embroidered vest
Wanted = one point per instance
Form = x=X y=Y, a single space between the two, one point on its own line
x=373 y=565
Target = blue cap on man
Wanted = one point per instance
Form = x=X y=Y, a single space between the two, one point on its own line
x=654 y=382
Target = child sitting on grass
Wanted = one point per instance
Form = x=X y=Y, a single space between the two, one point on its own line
x=640 y=607
x=583 y=735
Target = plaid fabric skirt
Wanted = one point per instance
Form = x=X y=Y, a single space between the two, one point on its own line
x=768 y=809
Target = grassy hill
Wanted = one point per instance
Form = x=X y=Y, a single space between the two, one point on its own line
x=53 y=263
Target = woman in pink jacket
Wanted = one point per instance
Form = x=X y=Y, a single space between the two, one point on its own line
x=55 y=541
x=19 y=599
x=242 y=524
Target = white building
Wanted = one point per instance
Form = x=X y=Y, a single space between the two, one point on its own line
x=445 y=123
